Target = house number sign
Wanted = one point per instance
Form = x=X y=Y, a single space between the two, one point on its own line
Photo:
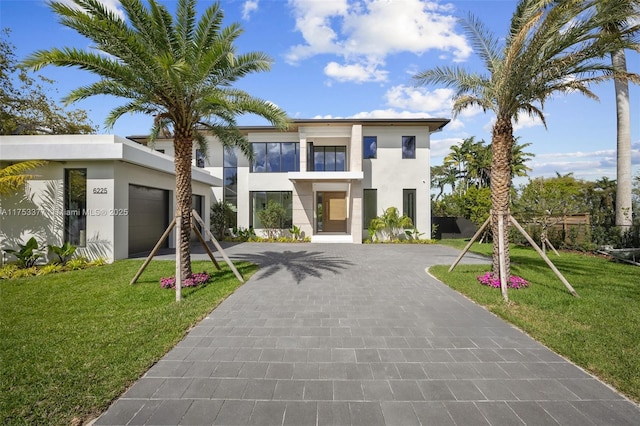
x=100 y=190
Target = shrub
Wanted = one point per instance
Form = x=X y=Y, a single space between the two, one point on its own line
x=50 y=269
x=75 y=264
x=7 y=271
x=26 y=254
x=63 y=252
x=25 y=272
x=390 y=225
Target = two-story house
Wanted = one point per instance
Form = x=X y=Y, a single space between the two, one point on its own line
x=331 y=175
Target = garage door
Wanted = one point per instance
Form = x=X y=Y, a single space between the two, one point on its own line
x=148 y=217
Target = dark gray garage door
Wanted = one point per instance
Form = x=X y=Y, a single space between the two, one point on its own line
x=148 y=217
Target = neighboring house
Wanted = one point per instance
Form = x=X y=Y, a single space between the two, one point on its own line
x=109 y=196
x=332 y=175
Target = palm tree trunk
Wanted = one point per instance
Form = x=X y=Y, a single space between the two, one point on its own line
x=182 y=145
x=623 y=176
x=501 y=144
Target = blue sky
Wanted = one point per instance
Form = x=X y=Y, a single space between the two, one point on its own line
x=347 y=58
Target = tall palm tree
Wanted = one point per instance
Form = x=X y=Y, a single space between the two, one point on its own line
x=624 y=28
x=550 y=48
x=179 y=70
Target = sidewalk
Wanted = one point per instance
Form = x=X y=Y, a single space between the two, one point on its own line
x=347 y=334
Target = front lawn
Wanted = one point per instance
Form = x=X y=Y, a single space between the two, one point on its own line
x=600 y=330
x=73 y=341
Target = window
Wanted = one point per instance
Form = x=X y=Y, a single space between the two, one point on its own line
x=230 y=184
x=408 y=147
x=275 y=157
x=75 y=206
x=200 y=158
x=370 y=206
x=409 y=204
x=259 y=200
x=369 y=147
x=161 y=151
x=327 y=158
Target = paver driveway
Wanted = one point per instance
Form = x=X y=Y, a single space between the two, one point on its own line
x=361 y=335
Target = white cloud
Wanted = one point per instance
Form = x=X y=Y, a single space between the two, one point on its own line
x=441 y=147
x=356 y=73
x=365 y=32
x=249 y=7
x=437 y=102
x=587 y=165
x=390 y=113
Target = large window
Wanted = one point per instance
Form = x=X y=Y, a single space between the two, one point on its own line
x=230 y=172
x=409 y=204
x=275 y=157
x=259 y=200
x=370 y=206
x=327 y=158
x=75 y=206
x=369 y=147
x=408 y=147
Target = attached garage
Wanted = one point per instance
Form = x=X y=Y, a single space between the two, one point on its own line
x=148 y=217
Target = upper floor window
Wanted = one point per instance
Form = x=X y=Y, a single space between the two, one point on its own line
x=408 y=147
x=274 y=157
x=327 y=158
x=200 y=158
x=369 y=147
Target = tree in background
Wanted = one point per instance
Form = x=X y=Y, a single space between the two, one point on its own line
x=468 y=177
x=180 y=70
x=544 y=202
x=550 y=48
x=25 y=106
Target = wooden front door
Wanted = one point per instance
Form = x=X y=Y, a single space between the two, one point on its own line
x=334 y=211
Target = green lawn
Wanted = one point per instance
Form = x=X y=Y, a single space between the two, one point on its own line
x=73 y=341
x=600 y=330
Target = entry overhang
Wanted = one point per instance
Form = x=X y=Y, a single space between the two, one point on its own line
x=325 y=176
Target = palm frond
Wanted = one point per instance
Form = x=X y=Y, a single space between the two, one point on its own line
x=14 y=176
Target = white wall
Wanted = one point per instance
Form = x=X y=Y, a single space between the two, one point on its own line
x=389 y=173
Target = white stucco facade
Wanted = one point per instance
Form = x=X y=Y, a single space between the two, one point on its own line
x=389 y=178
x=110 y=170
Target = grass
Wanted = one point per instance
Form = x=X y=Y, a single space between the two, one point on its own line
x=72 y=342
x=600 y=330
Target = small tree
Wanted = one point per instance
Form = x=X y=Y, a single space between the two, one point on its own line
x=272 y=218
x=221 y=214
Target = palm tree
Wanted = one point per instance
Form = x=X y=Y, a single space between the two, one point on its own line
x=550 y=48
x=519 y=158
x=623 y=28
x=180 y=71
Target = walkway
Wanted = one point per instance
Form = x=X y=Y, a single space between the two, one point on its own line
x=361 y=335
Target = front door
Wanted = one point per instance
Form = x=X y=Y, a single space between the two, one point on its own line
x=332 y=212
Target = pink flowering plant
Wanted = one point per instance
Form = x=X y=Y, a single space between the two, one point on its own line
x=193 y=281
x=494 y=281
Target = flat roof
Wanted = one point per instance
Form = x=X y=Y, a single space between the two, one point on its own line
x=434 y=124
